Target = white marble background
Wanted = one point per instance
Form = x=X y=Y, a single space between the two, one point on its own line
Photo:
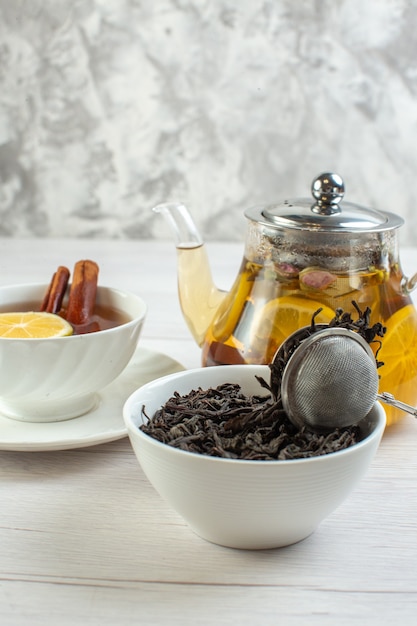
x=108 y=107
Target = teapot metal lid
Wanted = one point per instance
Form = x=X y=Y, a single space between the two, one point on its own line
x=326 y=213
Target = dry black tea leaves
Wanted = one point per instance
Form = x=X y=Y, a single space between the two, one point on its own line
x=223 y=422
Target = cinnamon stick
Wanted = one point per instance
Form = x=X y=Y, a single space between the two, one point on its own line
x=54 y=296
x=82 y=295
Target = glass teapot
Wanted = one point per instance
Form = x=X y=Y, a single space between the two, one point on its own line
x=300 y=256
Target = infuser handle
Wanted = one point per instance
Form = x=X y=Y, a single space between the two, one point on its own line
x=388 y=398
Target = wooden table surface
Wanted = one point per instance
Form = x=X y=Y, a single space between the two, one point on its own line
x=84 y=538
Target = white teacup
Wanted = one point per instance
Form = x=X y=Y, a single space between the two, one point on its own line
x=54 y=379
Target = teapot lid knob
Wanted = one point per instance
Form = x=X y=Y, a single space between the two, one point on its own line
x=328 y=189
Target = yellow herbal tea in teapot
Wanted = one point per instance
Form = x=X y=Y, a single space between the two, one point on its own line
x=269 y=302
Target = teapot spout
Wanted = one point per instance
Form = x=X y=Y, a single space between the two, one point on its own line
x=199 y=297
x=181 y=223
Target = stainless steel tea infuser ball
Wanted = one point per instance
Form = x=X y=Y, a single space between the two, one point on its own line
x=331 y=380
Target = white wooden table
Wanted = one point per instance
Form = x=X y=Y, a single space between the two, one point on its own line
x=85 y=540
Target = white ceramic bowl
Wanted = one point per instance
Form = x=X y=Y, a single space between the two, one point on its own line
x=237 y=503
x=45 y=380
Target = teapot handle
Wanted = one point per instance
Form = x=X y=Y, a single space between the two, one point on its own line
x=409 y=284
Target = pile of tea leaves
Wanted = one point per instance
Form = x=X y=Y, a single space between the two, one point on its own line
x=224 y=422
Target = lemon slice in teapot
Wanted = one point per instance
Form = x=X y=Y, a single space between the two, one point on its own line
x=399 y=355
x=280 y=317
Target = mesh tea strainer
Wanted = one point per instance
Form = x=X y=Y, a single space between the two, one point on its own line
x=331 y=380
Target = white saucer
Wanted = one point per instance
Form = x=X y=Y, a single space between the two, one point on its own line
x=102 y=424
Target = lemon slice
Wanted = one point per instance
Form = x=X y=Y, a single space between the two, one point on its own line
x=399 y=355
x=33 y=325
x=282 y=316
x=399 y=345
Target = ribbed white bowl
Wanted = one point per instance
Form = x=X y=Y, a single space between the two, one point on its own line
x=245 y=504
x=56 y=378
